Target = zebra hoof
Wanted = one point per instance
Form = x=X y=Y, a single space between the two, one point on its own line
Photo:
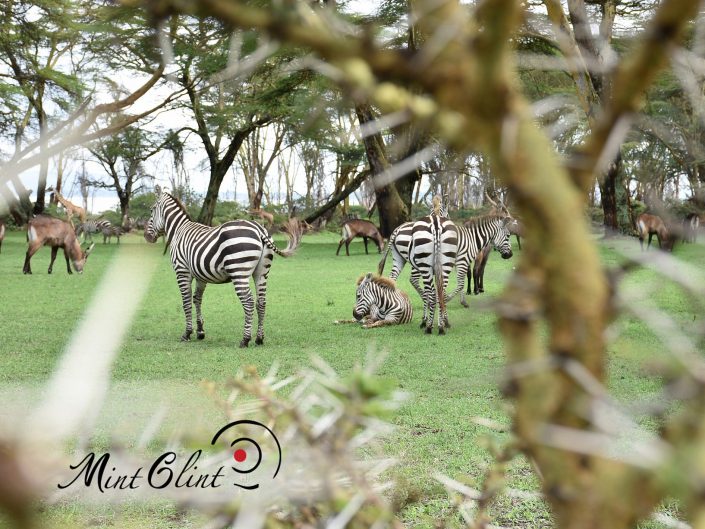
x=423 y=324
x=186 y=338
x=441 y=331
x=259 y=340
x=465 y=304
x=244 y=343
x=200 y=335
x=429 y=330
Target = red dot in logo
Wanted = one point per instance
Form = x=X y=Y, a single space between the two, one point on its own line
x=240 y=455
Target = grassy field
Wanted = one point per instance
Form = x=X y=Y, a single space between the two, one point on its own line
x=451 y=378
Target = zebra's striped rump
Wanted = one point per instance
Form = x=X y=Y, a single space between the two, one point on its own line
x=233 y=252
x=379 y=302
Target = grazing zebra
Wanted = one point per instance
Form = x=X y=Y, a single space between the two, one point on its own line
x=90 y=227
x=112 y=231
x=232 y=252
x=472 y=238
x=379 y=302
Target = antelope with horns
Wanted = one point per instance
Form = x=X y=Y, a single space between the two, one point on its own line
x=653 y=225
x=360 y=228
x=44 y=230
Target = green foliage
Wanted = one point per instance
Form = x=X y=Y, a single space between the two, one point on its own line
x=450 y=379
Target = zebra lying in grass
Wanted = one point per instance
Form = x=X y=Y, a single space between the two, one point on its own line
x=379 y=302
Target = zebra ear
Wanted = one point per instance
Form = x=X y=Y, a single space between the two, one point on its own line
x=368 y=277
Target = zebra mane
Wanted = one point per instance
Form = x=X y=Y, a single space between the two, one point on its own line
x=485 y=219
x=180 y=204
x=382 y=281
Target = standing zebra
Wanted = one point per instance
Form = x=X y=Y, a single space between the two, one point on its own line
x=432 y=252
x=471 y=238
x=379 y=302
x=232 y=252
x=112 y=231
x=90 y=227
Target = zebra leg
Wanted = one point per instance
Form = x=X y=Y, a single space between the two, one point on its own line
x=242 y=289
x=414 y=280
x=184 y=280
x=197 y=299
x=462 y=273
x=261 y=290
x=429 y=301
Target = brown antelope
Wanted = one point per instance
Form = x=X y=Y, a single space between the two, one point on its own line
x=44 y=230
x=2 y=233
x=653 y=225
x=71 y=209
x=691 y=223
x=360 y=228
x=264 y=216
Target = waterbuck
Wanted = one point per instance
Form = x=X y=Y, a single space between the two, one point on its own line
x=360 y=228
x=653 y=225
x=44 y=230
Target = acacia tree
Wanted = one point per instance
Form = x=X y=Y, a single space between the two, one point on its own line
x=35 y=58
x=555 y=314
x=122 y=157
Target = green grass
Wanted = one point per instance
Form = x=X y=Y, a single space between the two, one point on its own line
x=451 y=378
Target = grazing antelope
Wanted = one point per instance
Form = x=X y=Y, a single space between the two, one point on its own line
x=2 y=233
x=379 y=302
x=44 y=230
x=691 y=223
x=71 y=208
x=360 y=228
x=653 y=225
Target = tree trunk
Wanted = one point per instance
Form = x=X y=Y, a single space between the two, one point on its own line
x=44 y=166
x=608 y=192
x=208 y=209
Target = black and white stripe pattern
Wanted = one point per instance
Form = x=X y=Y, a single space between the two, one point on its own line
x=381 y=302
x=111 y=231
x=232 y=252
x=471 y=239
x=473 y=236
x=432 y=252
x=90 y=227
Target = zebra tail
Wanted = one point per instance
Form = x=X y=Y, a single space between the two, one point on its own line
x=380 y=266
x=294 y=232
x=438 y=269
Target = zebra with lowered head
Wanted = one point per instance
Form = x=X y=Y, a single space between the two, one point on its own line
x=473 y=236
x=90 y=227
x=379 y=302
x=233 y=253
